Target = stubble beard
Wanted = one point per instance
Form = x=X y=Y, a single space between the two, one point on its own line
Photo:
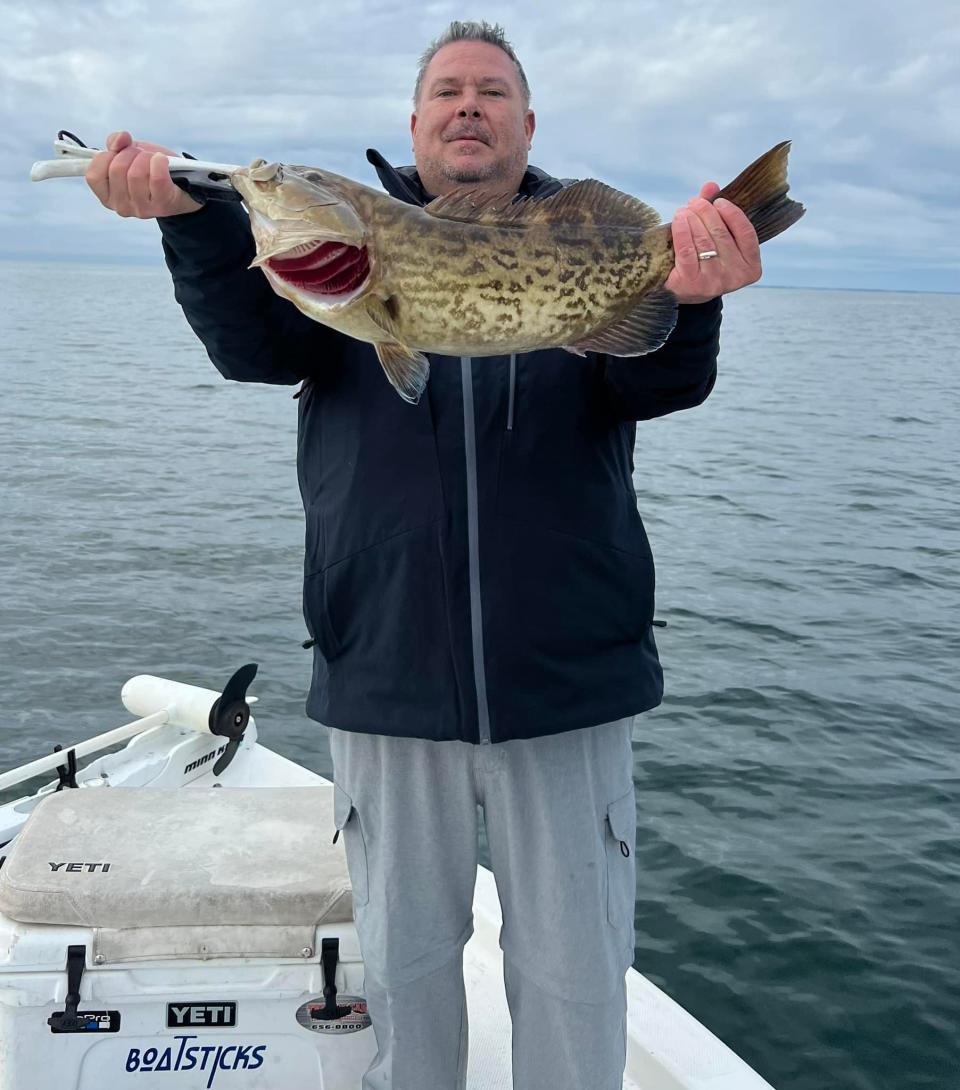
x=506 y=171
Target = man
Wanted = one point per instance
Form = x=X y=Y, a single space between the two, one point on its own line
x=479 y=591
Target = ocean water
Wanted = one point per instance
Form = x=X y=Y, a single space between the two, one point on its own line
x=799 y=789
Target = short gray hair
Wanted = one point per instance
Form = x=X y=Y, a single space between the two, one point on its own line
x=471 y=32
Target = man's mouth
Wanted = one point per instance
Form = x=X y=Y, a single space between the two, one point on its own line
x=327 y=268
x=466 y=136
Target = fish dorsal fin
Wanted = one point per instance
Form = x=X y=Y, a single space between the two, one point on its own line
x=642 y=329
x=470 y=206
x=589 y=203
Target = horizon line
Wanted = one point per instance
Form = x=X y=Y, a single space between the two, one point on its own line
x=146 y=262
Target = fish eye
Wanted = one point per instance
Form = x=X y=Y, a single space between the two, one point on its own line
x=262 y=171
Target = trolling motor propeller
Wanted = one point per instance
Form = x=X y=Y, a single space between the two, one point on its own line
x=230 y=714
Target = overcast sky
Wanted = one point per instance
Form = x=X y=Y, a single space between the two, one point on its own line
x=652 y=97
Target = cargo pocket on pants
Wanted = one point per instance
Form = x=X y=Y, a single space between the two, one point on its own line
x=621 y=834
x=347 y=821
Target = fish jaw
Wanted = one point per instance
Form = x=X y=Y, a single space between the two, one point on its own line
x=329 y=273
x=309 y=237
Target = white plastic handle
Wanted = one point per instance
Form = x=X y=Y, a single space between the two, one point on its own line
x=73 y=160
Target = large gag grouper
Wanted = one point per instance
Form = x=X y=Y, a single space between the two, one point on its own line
x=474 y=274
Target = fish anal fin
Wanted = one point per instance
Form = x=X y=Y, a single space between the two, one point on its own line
x=643 y=329
x=586 y=203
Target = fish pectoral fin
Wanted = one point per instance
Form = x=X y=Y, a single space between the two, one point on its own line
x=383 y=313
x=643 y=329
x=407 y=369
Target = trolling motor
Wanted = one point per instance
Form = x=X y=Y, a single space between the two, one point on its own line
x=223 y=714
x=157 y=701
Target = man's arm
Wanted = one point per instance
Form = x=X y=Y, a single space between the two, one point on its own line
x=250 y=333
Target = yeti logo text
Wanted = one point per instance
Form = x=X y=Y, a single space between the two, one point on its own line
x=74 y=867
x=201 y=1014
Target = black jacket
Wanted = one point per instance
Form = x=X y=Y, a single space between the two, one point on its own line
x=476 y=567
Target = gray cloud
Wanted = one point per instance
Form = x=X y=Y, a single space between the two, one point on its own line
x=652 y=98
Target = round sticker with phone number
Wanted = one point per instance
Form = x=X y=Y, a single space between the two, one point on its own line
x=350 y=1017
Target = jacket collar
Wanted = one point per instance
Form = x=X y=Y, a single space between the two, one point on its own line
x=404 y=182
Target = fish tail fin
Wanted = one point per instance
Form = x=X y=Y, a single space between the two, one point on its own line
x=761 y=191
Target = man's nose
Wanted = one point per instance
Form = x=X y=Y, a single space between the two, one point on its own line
x=469 y=103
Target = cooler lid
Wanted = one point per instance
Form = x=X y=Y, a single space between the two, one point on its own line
x=180 y=858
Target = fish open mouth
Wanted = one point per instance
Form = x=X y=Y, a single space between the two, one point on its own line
x=323 y=268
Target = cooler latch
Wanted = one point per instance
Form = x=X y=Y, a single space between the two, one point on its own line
x=329 y=956
x=66 y=1021
x=72 y=1020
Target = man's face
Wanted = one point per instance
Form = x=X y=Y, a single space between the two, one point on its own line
x=471 y=125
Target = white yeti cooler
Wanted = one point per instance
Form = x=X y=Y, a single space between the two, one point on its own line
x=170 y=938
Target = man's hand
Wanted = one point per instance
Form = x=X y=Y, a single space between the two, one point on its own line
x=131 y=179
x=721 y=226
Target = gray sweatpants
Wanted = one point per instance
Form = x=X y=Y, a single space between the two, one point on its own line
x=560 y=816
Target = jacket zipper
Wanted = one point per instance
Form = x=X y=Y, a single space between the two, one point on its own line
x=513 y=391
x=473 y=545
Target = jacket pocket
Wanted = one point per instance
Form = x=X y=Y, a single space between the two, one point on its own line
x=619 y=841
x=347 y=821
x=381 y=617
x=317 y=615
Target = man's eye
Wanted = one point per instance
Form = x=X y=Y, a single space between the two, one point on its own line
x=443 y=94
x=498 y=93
